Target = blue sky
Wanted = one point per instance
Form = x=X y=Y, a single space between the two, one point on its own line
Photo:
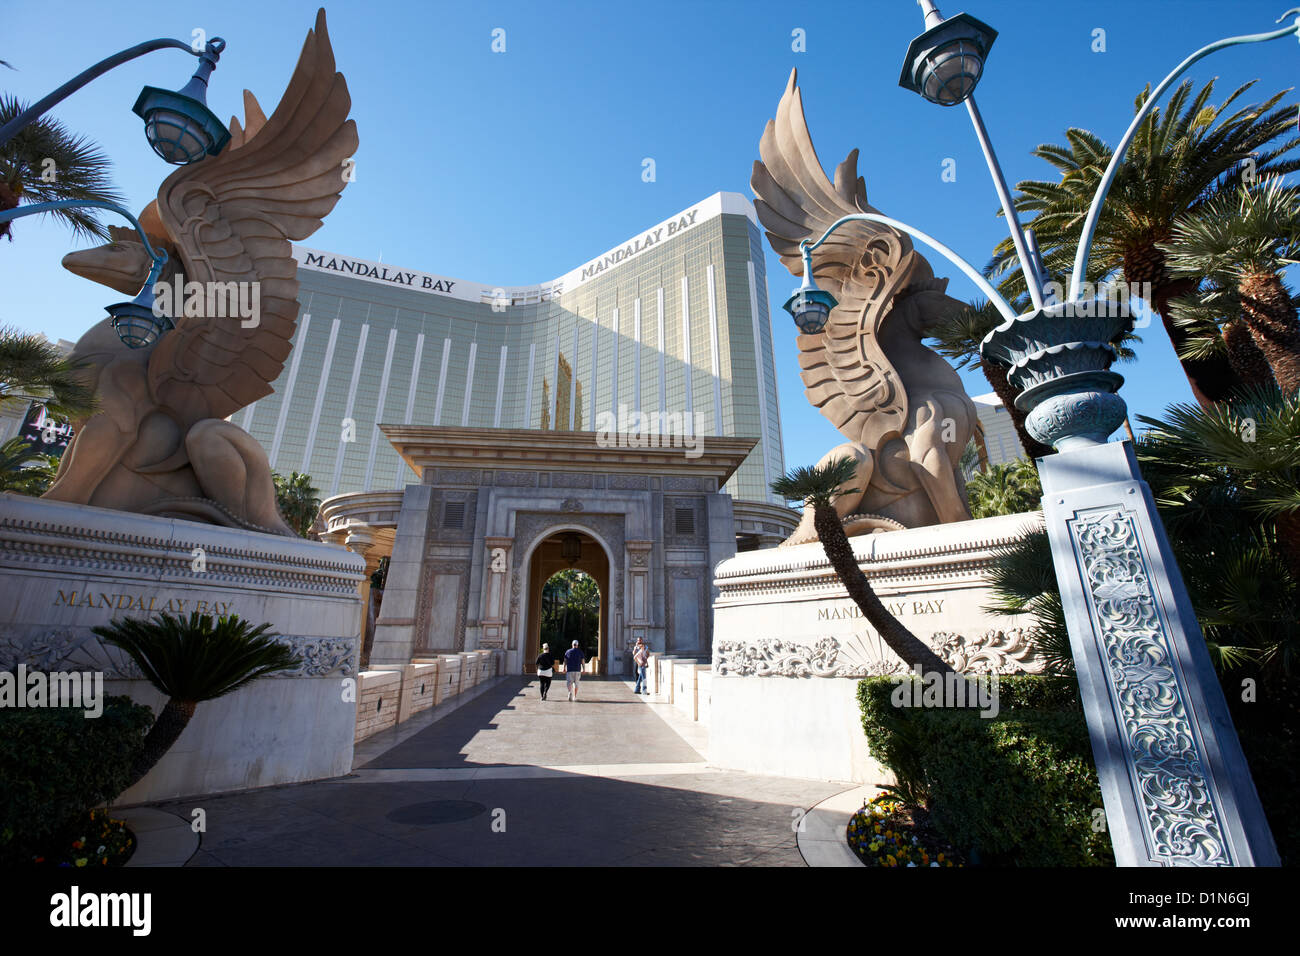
x=513 y=167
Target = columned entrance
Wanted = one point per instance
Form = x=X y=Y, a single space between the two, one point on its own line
x=574 y=548
x=476 y=539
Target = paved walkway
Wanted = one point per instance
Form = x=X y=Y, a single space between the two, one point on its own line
x=507 y=779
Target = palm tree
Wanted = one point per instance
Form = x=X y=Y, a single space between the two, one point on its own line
x=1022 y=580
x=1009 y=489
x=1210 y=320
x=46 y=162
x=1182 y=154
x=1242 y=457
x=192 y=661
x=816 y=487
x=24 y=469
x=1244 y=242
x=974 y=457
x=584 y=599
x=298 y=501
x=34 y=369
x=1214 y=476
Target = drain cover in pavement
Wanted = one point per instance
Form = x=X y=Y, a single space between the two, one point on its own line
x=434 y=812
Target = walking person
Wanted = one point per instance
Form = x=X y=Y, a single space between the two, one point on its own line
x=573 y=661
x=640 y=660
x=545 y=665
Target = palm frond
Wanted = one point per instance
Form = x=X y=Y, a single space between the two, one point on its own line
x=46 y=162
x=34 y=369
x=817 y=484
x=201 y=658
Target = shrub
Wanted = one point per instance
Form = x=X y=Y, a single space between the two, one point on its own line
x=1017 y=789
x=56 y=764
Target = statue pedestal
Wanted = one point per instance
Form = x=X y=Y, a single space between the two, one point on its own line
x=66 y=568
x=789 y=643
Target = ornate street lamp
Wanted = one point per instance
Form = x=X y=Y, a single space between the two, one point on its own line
x=1176 y=786
x=809 y=305
x=137 y=322
x=945 y=62
x=180 y=128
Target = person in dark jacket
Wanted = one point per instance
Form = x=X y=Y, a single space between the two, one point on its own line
x=545 y=668
x=573 y=661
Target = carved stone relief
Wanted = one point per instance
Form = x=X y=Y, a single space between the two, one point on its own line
x=423 y=617
x=992 y=652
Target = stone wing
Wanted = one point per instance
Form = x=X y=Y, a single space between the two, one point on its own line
x=232 y=217
x=845 y=371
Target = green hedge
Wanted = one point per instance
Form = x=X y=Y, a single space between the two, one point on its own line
x=1018 y=789
x=56 y=763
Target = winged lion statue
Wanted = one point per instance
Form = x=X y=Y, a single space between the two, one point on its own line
x=900 y=405
x=160 y=443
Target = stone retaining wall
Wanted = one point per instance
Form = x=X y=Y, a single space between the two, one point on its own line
x=388 y=696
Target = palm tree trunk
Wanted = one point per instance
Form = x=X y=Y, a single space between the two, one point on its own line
x=1244 y=355
x=1288 y=539
x=981 y=450
x=9 y=199
x=1006 y=392
x=913 y=651
x=1271 y=317
x=1211 y=379
x=173 y=720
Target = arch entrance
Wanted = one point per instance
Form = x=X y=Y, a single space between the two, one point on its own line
x=562 y=551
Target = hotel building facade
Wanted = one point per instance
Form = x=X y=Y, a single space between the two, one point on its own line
x=672 y=323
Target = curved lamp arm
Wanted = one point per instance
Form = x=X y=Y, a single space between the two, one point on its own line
x=159 y=256
x=1094 y=211
x=10 y=129
x=806 y=248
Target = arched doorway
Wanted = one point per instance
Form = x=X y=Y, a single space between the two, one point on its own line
x=570 y=611
x=570 y=549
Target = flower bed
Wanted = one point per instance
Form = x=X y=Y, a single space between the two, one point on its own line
x=887 y=832
x=96 y=840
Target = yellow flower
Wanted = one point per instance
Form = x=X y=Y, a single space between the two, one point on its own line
x=81 y=861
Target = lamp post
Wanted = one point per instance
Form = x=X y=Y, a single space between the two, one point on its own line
x=1176 y=786
x=180 y=128
x=179 y=125
x=136 y=322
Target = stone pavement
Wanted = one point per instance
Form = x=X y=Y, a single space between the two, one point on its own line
x=507 y=779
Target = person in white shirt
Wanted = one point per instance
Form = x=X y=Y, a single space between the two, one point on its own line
x=640 y=660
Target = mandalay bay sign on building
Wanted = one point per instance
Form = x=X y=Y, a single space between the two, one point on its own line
x=671 y=324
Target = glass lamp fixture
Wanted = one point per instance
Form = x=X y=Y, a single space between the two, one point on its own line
x=180 y=127
x=945 y=62
x=810 y=306
x=137 y=323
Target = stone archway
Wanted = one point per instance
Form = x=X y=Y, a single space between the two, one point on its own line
x=541 y=559
x=547 y=559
